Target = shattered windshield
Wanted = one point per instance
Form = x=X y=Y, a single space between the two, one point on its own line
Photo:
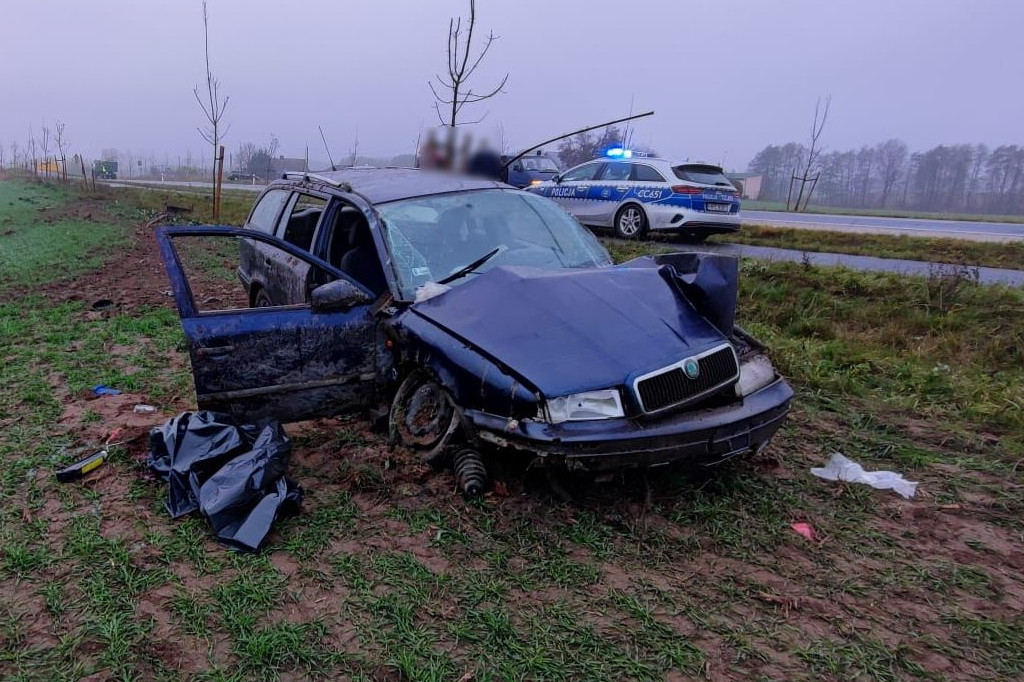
x=431 y=238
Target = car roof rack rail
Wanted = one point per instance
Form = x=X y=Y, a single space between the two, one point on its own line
x=316 y=176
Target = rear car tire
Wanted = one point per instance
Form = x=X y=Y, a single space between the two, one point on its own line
x=631 y=222
x=424 y=418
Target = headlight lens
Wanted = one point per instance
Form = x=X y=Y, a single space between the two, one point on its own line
x=755 y=374
x=603 y=404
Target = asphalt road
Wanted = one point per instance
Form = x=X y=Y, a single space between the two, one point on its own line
x=916 y=227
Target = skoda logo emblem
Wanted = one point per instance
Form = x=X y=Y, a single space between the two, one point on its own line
x=691 y=368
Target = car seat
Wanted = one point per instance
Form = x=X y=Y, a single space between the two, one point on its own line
x=360 y=262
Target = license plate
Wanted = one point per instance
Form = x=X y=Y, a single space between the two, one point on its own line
x=719 y=208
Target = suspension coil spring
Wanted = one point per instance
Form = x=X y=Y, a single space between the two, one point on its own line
x=470 y=473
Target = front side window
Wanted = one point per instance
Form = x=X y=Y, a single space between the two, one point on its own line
x=583 y=173
x=431 y=238
x=264 y=215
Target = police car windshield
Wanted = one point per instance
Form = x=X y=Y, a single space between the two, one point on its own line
x=705 y=175
x=430 y=238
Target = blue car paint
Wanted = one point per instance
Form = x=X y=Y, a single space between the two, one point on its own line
x=476 y=381
x=289 y=362
x=500 y=342
x=615 y=192
x=707 y=435
x=525 y=178
x=573 y=330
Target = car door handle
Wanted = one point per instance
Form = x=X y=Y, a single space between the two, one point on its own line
x=214 y=351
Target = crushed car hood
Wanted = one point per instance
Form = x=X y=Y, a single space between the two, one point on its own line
x=576 y=330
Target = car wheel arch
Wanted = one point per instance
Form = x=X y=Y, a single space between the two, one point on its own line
x=644 y=220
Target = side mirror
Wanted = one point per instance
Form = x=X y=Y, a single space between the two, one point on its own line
x=557 y=178
x=337 y=295
x=517 y=167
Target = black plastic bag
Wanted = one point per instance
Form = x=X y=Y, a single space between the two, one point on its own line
x=233 y=474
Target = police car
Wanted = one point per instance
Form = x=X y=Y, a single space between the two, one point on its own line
x=632 y=195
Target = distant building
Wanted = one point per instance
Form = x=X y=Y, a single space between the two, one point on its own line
x=283 y=165
x=748 y=184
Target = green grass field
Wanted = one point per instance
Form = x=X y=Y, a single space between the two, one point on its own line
x=937 y=250
x=388 y=575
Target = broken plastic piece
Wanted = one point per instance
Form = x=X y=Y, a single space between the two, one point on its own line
x=804 y=529
x=143 y=409
x=232 y=474
x=80 y=468
x=840 y=468
x=100 y=389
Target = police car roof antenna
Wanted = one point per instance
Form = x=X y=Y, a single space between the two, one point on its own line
x=328 y=149
x=575 y=132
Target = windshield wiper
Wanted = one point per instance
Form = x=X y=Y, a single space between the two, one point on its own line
x=465 y=270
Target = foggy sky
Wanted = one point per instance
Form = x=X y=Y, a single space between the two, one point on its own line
x=724 y=77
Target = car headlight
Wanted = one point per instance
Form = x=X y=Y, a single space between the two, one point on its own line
x=755 y=374
x=603 y=404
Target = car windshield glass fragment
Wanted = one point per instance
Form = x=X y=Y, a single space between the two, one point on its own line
x=705 y=175
x=430 y=238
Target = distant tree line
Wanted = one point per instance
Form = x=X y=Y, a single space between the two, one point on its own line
x=960 y=178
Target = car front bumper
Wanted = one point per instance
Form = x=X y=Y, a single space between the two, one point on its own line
x=704 y=436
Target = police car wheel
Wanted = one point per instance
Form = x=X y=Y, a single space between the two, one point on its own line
x=630 y=222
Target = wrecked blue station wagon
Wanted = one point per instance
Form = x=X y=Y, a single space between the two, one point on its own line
x=474 y=317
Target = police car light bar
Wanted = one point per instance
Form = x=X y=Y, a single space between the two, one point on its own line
x=619 y=153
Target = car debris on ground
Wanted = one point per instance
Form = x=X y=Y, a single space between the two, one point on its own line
x=232 y=474
x=841 y=468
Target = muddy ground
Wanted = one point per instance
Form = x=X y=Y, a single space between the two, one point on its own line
x=388 y=574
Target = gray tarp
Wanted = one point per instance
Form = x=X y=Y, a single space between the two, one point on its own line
x=233 y=474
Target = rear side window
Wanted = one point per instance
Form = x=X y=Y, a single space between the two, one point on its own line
x=584 y=172
x=646 y=174
x=298 y=224
x=705 y=175
x=617 y=171
x=264 y=215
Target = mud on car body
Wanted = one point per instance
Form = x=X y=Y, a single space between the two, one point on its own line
x=480 y=316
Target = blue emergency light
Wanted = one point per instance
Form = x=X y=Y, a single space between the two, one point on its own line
x=619 y=153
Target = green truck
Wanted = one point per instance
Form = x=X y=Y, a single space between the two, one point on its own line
x=104 y=170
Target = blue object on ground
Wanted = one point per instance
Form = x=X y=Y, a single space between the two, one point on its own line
x=105 y=390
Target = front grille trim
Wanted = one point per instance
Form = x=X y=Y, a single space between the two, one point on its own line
x=678 y=367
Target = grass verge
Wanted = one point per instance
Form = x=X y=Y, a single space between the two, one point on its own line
x=388 y=575
x=938 y=250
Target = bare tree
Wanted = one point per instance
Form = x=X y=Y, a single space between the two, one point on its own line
x=502 y=138
x=62 y=143
x=32 y=149
x=817 y=126
x=212 y=104
x=455 y=89
x=892 y=154
x=244 y=155
x=44 y=149
x=14 y=153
